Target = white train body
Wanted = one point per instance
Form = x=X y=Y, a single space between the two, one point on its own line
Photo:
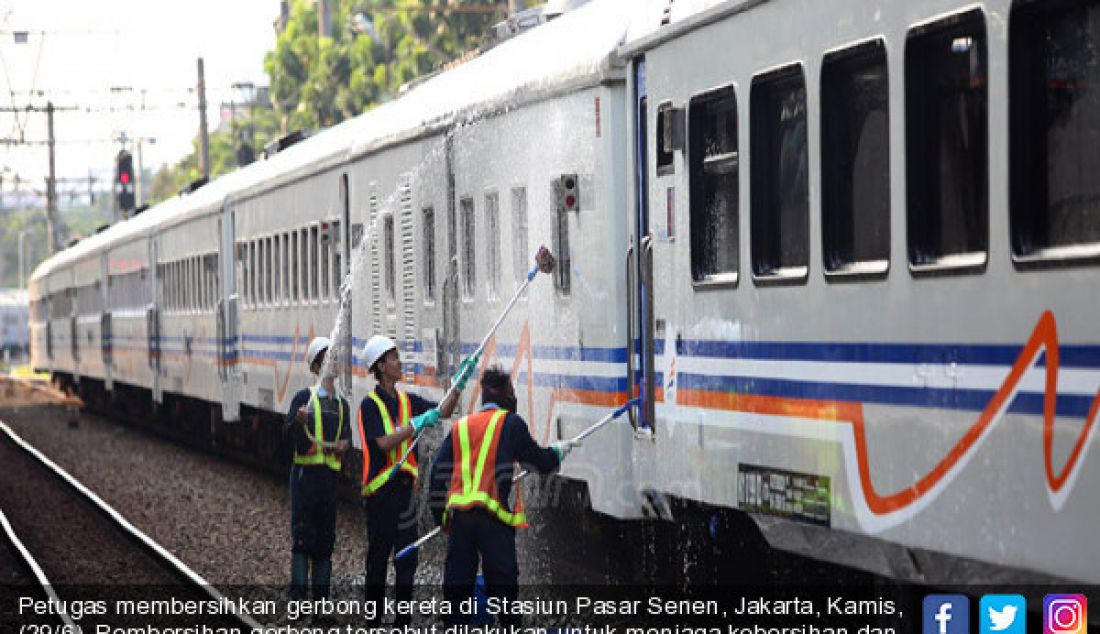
x=870 y=396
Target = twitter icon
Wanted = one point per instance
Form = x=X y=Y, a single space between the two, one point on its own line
x=1002 y=614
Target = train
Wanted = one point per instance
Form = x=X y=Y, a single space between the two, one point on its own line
x=14 y=332
x=840 y=251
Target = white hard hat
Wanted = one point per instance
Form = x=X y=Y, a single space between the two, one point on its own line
x=375 y=348
x=316 y=347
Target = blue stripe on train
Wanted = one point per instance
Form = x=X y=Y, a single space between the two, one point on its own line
x=970 y=400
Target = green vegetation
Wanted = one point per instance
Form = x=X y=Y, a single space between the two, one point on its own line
x=316 y=82
x=80 y=221
x=376 y=46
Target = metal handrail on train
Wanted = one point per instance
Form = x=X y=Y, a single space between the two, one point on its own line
x=630 y=386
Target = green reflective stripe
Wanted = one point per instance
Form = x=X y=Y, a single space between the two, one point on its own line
x=481 y=497
x=464 y=445
x=318 y=455
x=331 y=459
x=483 y=453
x=471 y=484
x=404 y=407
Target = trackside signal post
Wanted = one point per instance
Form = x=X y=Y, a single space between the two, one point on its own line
x=124 y=184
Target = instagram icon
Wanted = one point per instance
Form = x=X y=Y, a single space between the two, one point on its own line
x=1065 y=614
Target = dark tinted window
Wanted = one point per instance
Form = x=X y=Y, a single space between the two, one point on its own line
x=855 y=160
x=664 y=153
x=390 y=258
x=429 y=253
x=713 y=168
x=946 y=143
x=469 y=281
x=779 y=169
x=1055 y=129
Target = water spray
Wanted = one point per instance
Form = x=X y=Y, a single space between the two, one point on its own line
x=544 y=262
x=523 y=474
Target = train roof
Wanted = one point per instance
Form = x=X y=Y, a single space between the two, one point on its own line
x=573 y=51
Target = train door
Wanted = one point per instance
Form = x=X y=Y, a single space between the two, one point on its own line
x=152 y=320
x=106 y=337
x=639 y=265
x=228 y=322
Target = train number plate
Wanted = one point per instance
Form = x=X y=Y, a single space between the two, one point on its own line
x=797 y=496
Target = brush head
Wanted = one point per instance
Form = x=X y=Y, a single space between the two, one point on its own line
x=545 y=260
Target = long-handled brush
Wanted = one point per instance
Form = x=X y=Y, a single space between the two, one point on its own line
x=544 y=262
x=523 y=474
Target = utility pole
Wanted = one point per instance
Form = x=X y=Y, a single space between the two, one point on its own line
x=51 y=187
x=324 y=18
x=204 y=140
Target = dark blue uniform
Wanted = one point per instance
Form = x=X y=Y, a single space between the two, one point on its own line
x=391 y=511
x=476 y=534
x=313 y=494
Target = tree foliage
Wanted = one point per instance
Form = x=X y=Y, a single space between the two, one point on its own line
x=373 y=50
x=376 y=46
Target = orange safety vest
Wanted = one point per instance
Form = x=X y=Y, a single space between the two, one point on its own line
x=474 y=441
x=371 y=486
x=326 y=456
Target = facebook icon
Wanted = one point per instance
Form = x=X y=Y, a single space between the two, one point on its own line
x=946 y=614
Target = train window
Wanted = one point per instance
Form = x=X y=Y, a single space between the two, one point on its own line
x=196 y=284
x=469 y=282
x=713 y=167
x=429 y=254
x=287 y=273
x=389 y=263
x=1054 y=110
x=520 y=262
x=337 y=260
x=492 y=241
x=324 y=288
x=252 y=299
x=779 y=170
x=277 y=268
x=269 y=272
x=560 y=238
x=664 y=151
x=855 y=163
x=946 y=105
x=292 y=265
x=263 y=283
x=192 y=284
x=303 y=263
x=314 y=264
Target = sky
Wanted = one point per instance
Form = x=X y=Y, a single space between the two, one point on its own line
x=115 y=55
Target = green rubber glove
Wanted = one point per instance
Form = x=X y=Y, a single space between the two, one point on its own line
x=429 y=418
x=465 y=369
x=563 y=447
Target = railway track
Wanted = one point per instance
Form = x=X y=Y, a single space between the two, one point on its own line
x=67 y=547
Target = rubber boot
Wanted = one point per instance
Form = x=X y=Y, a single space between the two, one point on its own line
x=322 y=573
x=299 y=576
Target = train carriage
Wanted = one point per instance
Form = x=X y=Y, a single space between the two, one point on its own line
x=857 y=310
x=840 y=250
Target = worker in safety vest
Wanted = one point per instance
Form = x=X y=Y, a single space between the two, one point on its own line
x=318 y=426
x=470 y=483
x=389 y=418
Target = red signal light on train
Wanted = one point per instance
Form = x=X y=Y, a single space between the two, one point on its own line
x=568 y=192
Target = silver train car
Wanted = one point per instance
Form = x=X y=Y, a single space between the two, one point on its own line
x=840 y=250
